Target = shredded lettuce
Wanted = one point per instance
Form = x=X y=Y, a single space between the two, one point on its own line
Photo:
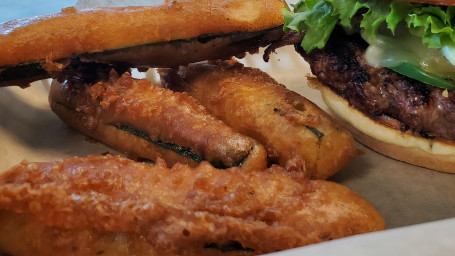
x=433 y=24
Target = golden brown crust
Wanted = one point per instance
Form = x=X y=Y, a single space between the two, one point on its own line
x=136 y=117
x=73 y=32
x=22 y=234
x=183 y=210
x=296 y=133
x=430 y=153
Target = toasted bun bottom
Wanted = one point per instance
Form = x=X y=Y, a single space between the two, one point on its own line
x=430 y=153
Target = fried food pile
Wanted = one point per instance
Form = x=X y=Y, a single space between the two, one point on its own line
x=231 y=154
x=145 y=121
x=296 y=133
x=108 y=204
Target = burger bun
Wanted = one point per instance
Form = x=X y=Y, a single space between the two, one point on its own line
x=436 y=154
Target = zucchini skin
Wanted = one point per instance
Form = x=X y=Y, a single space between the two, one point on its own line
x=144 y=121
x=162 y=54
x=168 y=35
x=297 y=134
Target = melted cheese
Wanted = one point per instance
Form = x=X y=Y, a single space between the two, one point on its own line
x=391 y=51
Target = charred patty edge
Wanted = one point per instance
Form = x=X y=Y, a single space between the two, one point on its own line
x=383 y=95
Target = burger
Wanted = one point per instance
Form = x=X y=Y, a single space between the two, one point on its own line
x=386 y=69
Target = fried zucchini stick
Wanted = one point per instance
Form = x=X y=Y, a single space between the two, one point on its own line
x=296 y=133
x=172 y=34
x=183 y=211
x=145 y=121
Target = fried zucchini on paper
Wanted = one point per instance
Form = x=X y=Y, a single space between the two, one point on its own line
x=145 y=121
x=173 y=34
x=295 y=132
x=100 y=203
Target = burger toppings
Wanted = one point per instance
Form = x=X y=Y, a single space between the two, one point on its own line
x=381 y=93
x=396 y=32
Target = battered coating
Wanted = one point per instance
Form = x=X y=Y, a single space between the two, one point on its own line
x=145 y=121
x=296 y=133
x=200 y=211
x=23 y=234
x=174 y=33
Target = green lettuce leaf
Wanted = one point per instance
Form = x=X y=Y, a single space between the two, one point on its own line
x=317 y=18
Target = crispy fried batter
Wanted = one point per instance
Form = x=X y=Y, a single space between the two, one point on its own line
x=23 y=234
x=172 y=34
x=296 y=133
x=74 y=32
x=181 y=210
x=147 y=121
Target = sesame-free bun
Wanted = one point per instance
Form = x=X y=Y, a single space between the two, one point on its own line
x=436 y=154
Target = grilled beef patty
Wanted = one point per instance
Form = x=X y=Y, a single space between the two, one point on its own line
x=381 y=93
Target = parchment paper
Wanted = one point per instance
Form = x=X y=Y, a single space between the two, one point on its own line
x=402 y=193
